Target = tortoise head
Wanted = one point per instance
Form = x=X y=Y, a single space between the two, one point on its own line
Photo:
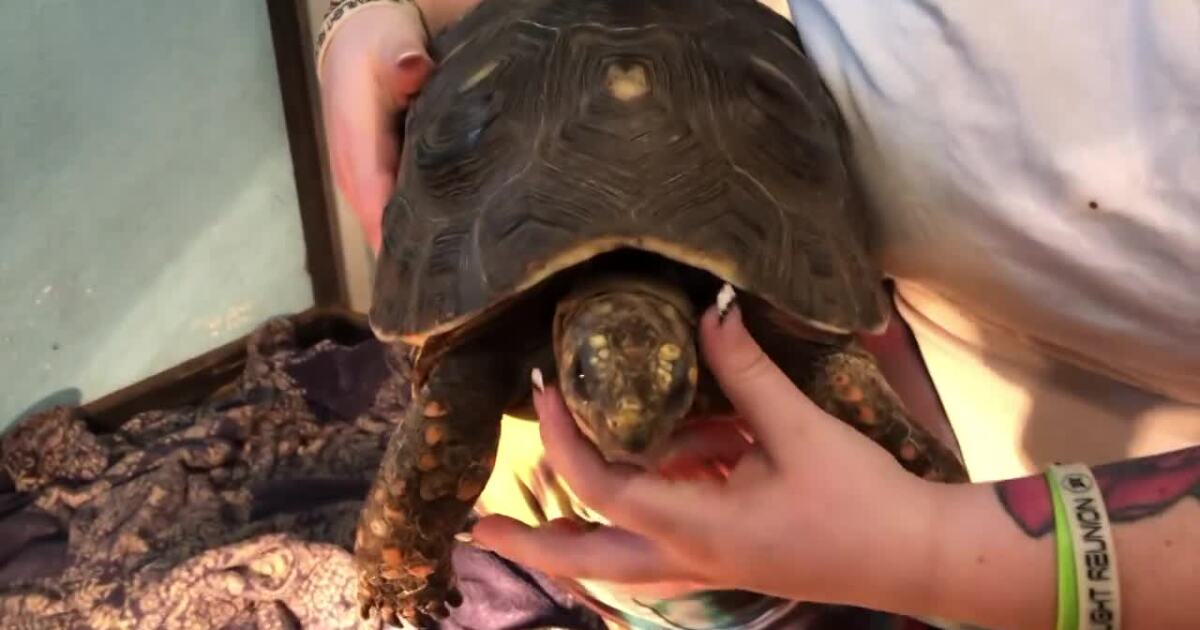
x=627 y=366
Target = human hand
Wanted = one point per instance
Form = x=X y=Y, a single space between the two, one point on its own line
x=812 y=510
x=373 y=66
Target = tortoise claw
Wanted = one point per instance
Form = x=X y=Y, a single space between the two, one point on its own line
x=454 y=598
x=437 y=611
x=388 y=616
x=395 y=600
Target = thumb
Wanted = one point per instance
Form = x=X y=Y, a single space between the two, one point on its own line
x=376 y=178
x=402 y=63
x=777 y=411
x=403 y=78
x=370 y=72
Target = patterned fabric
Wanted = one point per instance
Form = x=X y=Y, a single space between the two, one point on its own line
x=238 y=512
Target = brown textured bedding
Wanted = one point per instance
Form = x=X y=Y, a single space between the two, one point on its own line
x=235 y=513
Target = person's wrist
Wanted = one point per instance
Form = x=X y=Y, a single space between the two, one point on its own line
x=982 y=568
x=912 y=554
x=943 y=512
x=894 y=550
x=364 y=35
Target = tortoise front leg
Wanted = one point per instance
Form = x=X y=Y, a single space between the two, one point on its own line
x=848 y=384
x=435 y=466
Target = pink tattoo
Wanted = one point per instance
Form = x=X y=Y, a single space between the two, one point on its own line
x=1132 y=489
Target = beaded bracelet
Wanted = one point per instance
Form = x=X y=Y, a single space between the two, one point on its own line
x=1088 y=588
x=339 y=10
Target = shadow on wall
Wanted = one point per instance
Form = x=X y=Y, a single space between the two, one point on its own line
x=1069 y=413
x=1057 y=427
x=1016 y=410
x=147 y=207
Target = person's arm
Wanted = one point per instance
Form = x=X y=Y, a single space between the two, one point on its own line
x=438 y=14
x=997 y=557
x=1143 y=496
x=814 y=511
x=371 y=60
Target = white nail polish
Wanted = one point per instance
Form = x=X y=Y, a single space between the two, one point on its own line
x=536 y=377
x=725 y=300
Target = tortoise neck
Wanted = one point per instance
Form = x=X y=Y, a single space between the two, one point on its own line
x=633 y=284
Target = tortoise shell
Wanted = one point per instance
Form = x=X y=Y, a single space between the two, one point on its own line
x=555 y=131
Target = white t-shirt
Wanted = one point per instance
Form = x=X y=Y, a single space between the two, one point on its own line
x=1034 y=171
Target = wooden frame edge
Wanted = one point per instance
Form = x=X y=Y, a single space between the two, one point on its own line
x=193 y=380
x=295 y=67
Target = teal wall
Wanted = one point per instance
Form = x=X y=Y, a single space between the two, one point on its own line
x=147 y=207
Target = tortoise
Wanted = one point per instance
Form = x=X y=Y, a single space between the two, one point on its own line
x=579 y=179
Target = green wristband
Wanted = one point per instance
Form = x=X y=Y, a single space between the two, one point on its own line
x=1088 y=586
x=1068 y=601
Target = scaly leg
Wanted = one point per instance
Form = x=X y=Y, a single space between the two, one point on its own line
x=435 y=466
x=843 y=379
x=847 y=384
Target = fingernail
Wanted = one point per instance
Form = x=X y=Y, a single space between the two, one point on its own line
x=538 y=383
x=471 y=541
x=468 y=538
x=726 y=302
x=574 y=524
x=566 y=524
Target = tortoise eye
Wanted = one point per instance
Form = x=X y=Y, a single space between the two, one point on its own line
x=580 y=377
